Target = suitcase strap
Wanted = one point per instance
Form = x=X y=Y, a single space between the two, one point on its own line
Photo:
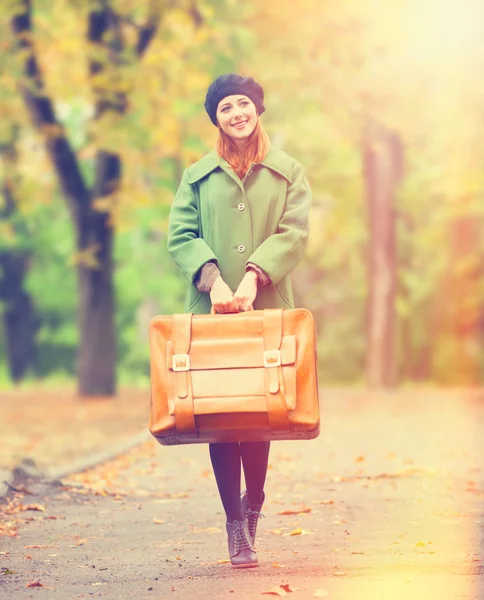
x=184 y=410
x=276 y=405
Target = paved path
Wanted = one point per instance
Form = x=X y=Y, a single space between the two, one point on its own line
x=393 y=491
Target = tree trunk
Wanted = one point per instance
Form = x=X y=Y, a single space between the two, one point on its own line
x=19 y=318
x=96 y=359
x=382 y=160
x=461 y=315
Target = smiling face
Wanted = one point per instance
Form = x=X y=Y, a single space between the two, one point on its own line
x=237 y=117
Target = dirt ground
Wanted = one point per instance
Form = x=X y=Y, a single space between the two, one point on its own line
x=387 y=503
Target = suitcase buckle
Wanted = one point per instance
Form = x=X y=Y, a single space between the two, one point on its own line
x=272 y=358
x=180 y=362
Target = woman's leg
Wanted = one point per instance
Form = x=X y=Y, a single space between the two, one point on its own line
x=226 y=467
x=255 y=457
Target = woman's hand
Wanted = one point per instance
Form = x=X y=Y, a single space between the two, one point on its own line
x=221 y=296
x=246 y=292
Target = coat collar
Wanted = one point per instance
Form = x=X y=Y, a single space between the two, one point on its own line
x=276 y=160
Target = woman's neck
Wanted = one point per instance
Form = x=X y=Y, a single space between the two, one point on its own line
x=241 y=145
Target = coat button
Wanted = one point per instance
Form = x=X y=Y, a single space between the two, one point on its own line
x=241 y=206
x=241 y=248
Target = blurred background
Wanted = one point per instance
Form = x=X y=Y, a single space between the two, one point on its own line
x=101 y=109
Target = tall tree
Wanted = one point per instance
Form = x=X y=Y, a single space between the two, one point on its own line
x=87 y=205
x=383 y=168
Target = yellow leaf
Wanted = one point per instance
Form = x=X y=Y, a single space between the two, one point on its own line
x=158 y=521
x=299 y=531
x=420 y=544
x=87 y=257
x=104 y=204
x=223 y=561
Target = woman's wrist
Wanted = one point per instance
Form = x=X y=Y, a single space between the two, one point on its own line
x=253 y=273
x=207 y=276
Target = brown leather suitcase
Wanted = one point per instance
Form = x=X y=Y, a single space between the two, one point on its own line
x=248 y=376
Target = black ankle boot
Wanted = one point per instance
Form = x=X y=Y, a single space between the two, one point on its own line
x=240 y=547
x=252 y=513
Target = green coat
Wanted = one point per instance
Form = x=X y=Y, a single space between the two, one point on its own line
x=262 y=219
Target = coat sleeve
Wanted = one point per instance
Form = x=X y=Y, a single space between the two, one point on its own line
x=281 y=252
x=188 y=250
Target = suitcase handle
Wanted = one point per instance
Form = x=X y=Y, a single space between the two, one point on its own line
x=235 y=312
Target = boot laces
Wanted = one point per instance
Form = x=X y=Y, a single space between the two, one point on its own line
x=241 y=540
x=253 y=517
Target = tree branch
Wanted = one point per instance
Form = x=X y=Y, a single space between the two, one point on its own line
x=148 y=31
x=41 y=110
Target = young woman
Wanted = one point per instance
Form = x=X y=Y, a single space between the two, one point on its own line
x=238 y=227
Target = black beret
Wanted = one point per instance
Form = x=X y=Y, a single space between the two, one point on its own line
x=228 y=85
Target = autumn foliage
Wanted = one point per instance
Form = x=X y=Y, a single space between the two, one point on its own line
x=102 y=108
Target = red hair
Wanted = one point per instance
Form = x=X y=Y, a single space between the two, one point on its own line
x=240 y=160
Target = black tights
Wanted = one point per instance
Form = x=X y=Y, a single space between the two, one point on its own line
x=226 y=461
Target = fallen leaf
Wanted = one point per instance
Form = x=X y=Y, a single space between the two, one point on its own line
x=277 y=565
x=174 y=496
x=340 y=573
x=205 y=529
x=277 y=531
x=38 y=507
x=223 y=561
x=360 y=459
x=159 y=521
x=420 y=544
x=320 y=593
x=294 y=512
x=299 y=531
x=33 y=584
x=277 y=591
